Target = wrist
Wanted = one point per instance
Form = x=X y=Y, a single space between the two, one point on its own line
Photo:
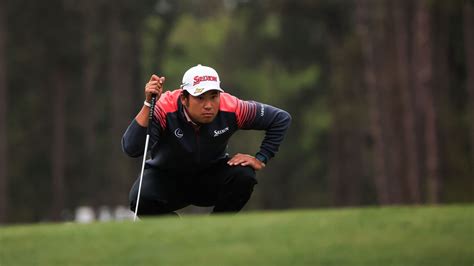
x=147 y=103
x=261 y=158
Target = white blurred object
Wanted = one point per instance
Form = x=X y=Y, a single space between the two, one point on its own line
x=123 y=213
x=85 y=214
x=105 y=214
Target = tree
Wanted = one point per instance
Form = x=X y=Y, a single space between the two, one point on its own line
x=364 y=24
x=423 y=82
x=90 y=53
x=3 y=117
x=401 y=19
x=121 y=90
x=347 y=101
x=168 y=12
x=62 y=62
x=469 y=50
x=59 y=143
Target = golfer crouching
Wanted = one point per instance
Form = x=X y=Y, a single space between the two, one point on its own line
x=188 y=136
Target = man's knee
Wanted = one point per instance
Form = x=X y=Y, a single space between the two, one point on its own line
x=243 y=177
x=148 y=206
x=237 y=189
x=148 y=203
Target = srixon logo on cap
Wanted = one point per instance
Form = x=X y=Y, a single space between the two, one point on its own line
x=199 y=79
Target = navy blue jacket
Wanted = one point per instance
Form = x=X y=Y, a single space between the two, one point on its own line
x=176 y=145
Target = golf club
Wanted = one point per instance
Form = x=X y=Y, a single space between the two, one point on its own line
x=150 y=118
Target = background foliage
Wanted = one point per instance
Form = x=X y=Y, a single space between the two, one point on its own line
x=381 y=94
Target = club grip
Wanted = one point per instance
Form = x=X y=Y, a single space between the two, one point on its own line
x=152 y=107
x=150 y=114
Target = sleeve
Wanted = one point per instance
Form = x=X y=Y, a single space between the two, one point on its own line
x=133 y=140
x=259 y=116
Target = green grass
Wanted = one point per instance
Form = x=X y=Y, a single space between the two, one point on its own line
x=369 y=236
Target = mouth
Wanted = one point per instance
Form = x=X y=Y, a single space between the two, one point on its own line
x=208 y=114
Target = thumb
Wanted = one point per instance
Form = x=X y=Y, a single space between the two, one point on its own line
x=162 y=80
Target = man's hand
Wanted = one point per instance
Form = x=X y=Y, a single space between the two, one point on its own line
x=154 y=86
x=244 y=160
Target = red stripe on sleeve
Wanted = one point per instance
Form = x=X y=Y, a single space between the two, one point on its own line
x=248 y=114
x=244 y=111
x=168 y=103
x=228 y=103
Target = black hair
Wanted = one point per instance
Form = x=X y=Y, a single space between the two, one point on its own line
x=185 y=94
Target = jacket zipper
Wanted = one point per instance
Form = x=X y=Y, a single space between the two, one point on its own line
x=198 y=146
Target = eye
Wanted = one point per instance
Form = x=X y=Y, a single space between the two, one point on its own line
x=200 y=98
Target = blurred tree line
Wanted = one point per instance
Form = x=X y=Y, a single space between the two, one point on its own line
x=381 y=94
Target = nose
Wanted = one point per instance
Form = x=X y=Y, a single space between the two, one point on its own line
x=207 y=105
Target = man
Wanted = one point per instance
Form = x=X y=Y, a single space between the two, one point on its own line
x=189 y=133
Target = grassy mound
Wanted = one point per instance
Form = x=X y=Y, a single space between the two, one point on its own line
x=442 y=235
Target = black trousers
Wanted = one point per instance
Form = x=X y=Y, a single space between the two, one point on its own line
x=227 y=188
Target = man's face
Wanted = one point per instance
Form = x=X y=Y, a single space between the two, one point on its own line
x=203 y=108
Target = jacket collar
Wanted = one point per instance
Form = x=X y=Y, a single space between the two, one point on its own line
x=184 y=113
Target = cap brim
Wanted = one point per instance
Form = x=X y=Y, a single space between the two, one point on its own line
x=196 y=92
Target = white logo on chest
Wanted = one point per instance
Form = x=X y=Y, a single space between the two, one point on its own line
x=178 y=133
x=220 y=132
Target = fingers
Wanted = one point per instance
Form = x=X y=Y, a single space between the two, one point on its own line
x=240 y=159
x=246 y=160
x=235 y=160
x=154 y=86
x=154 y=77
x=156 y=82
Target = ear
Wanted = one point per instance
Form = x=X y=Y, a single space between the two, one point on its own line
x=183 y=99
